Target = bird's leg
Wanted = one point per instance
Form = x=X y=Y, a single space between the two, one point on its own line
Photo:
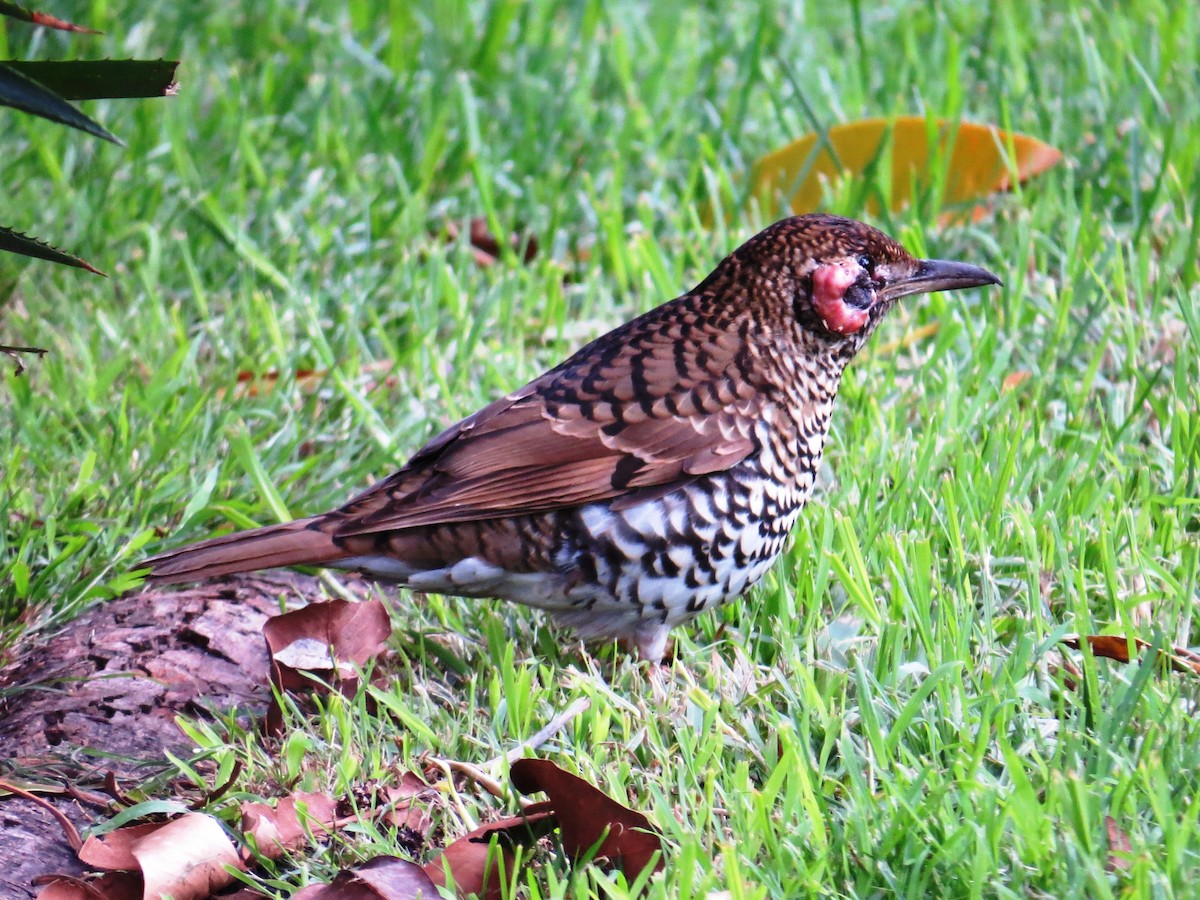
x=650 y=639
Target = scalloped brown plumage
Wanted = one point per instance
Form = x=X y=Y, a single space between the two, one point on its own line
x=654 y=473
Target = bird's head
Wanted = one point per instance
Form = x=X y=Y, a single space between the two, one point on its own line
x=841 y=276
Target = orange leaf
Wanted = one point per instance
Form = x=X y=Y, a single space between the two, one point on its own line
x=1015 y=380
x=306 y=381
x=978 y=163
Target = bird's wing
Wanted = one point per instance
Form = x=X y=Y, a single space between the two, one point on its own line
x=641 y=409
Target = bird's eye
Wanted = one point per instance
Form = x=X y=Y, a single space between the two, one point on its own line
x=867 y=264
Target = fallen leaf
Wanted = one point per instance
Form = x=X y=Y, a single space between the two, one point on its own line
x=589 y=818
x=110 y=886
x=479 y=867
x=184 y=858
x=978 y=163
x=187 y=858
x=288 y=824
x=485 y=248
x=381 y=878
x=323 y=643
x=400 y=810
x=306 y=381
x=1015 y=380
x=336 y=635
x=1119 y=847
x=1116 y=647
x=114 y=851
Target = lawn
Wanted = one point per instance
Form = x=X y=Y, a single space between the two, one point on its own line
x=890 y=711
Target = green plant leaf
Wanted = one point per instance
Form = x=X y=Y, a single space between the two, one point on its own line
x=13 y=11
x=23 y=93
x=100 y=79
x=15 y=242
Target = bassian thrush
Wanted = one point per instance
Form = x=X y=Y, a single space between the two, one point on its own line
x=651 y=476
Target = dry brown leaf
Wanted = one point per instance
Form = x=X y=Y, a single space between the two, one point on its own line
x=283 y=827
x=977 y=166
x=1116 y=647
x=330 y=640
x=485 y=248
x=382 y=878
x=186 y=858
x=401 y=810
x=110 y=886
x=477 y=866
x=114 y=851
x=251 y=384
x=589 y=818
x=1120 y=850
x=1108 y=646
x=66 y=887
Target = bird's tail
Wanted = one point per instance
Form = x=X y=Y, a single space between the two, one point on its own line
x=301 y=542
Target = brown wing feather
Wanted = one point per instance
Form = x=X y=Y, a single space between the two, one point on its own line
x=628 y=413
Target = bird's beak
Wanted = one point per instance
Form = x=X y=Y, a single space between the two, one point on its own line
x=938 y=275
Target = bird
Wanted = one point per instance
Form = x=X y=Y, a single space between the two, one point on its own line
x=654 y=474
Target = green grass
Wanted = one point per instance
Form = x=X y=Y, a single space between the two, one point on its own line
x=886 y=713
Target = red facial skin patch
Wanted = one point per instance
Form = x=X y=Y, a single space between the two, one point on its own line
x=830 y=283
